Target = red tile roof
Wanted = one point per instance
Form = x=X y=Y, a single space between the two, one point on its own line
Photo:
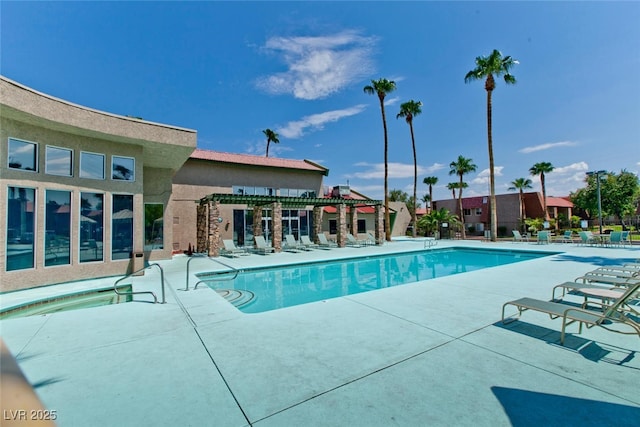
x=559 y=202
x=247 y=159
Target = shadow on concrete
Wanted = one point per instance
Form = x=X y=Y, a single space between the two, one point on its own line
x=589 y=349
x=528 y=408
x=596 y=261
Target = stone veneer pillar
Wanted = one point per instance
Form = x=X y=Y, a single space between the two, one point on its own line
x=201 y=227
x=214 y=229
x=276 y=221
x=317 y=222
x=342 y=225
x=257 y=222
x=353 y=220
x=379 y=224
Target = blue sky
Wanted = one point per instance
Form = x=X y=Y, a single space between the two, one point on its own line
x=231 y=69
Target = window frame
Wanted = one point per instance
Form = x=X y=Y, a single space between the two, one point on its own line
x=46 y=158
x=104 y=159
x=133 y=171
x=36 y=154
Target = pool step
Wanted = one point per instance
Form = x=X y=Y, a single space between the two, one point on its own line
x=237 y=297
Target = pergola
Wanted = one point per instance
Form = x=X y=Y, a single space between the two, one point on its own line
x=209 y=219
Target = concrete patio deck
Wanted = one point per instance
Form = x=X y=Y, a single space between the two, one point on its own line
x=427 y=353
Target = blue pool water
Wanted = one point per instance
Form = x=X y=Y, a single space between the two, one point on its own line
x=255 y=291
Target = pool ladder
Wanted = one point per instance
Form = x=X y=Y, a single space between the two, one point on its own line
x=155 y=299
x=235 y=271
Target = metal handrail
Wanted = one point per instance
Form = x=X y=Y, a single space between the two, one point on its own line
x=201 y=255
x=155 y=299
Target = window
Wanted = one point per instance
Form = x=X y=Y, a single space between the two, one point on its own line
x=362 y=226
x=153 y=226
x=20 y=227
x=466 y=211
x=91 y=227
x=122 y=227
x=123 y=168
x=23 y=155
x=58 y=161
x=57 y=247
x=333 y=226
x=91 y=165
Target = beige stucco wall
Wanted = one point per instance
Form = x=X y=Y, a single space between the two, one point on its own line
x=158 y=151
x=199 y=178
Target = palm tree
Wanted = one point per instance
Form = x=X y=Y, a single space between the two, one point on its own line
x=409 y=110
x=430 y=181
x=382 y=87
x=540 y=169
x=461 y=167
x=431 y=221
x=486 y=68
x=521 y=184
x=271 y=137
x=452 y=186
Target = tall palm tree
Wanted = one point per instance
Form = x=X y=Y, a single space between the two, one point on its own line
x=430 y=181
x=521 y=184
x=486 y=68
x=382 y=87
x=452 y=186
x=461 y=167
x=409 y=110
x=271 y=137
x=540 y=169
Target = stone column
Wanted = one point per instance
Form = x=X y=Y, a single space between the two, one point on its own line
x=276 y=220
x=342 y=225
x=353 y=220
x=317 y=222
x=257 y=222
x=379 y=224
x=214 y=229
x=202 y=227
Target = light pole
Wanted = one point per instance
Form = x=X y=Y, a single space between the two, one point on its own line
x=597 y=175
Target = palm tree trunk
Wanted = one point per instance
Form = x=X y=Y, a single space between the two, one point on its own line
x=544 y=196
x=387 y=216
x=415 y=181
x=521 y=208
x=492 y=182
x=464 y=234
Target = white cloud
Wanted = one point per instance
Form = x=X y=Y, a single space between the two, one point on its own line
x=433 y=168
x=396 y=170
x=547 y=146
x=572 y=168
x=390 y=101
x=259 y=148
x=318 y=66
x=483 y=176
x=296 y=128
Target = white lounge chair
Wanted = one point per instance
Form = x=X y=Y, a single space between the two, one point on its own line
x=353 y=242
x=292 y=244
x=610 y=315
x=324 y=242
x=306 y=241
x=517 y=237
x=230 y=249
x=261 y=246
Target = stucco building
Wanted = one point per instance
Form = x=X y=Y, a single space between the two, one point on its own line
x=82 y=191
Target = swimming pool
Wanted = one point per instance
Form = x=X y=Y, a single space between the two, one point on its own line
x=255 y=291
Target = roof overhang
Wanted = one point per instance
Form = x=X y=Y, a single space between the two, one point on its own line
x=286 y=201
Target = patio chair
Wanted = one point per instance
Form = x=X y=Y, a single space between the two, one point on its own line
x=587 y=238
x=615 y=238
x=567 y=237
x=517 y=237
x=306 y=241
x=610 y=314
x=292 y=245
x=261 y=246
x=606 y=294
x=608 y=277
x=625 y=239
x=324 y=242
x=543 y=237
x=371 y=239
x=353 y=242
x=230 y=249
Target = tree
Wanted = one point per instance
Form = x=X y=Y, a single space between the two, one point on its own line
x=271 y=137
x=486 y=68
x=430 y=181
x=619 y=195
x=382 y=87
x=541 y=169
x=521 y=184
x=452 y=186
x=461 y=167
x=431 y=222
x=398 y=196
x=409 y=110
